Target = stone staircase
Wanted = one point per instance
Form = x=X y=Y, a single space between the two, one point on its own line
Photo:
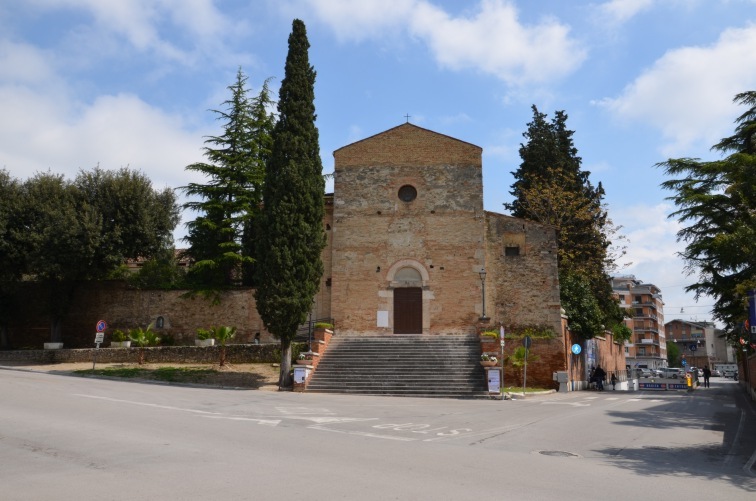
x=401 y=365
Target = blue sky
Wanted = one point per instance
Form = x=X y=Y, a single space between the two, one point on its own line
x=130 y=82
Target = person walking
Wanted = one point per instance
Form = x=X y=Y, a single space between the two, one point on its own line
x=614 y=381
x=600 y=375
x=707 y=375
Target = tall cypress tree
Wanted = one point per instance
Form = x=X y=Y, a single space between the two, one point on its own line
x=550 y=187
x=291 y=235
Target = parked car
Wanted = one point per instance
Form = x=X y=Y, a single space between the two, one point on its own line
x=716 y=373
x=657 y=372
x=672 y=372
x=643 y=372
x=730 y=373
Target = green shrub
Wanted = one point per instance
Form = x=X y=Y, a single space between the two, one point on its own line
x=119 y=336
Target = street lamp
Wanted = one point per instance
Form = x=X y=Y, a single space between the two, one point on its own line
x=482 y=274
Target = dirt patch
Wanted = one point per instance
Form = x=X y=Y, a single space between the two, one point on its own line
x=249 y=376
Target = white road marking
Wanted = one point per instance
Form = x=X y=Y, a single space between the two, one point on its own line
x=574 y=404
x=363 y=434
x=145 y=404
x=266 y=422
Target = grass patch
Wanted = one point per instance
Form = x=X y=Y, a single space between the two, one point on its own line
x=122 y=372
x=518 y=389
x=167 y=374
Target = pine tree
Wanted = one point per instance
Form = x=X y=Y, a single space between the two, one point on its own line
x=717 y=204
x=291 y=235
x=550 y=187
x=230 y=199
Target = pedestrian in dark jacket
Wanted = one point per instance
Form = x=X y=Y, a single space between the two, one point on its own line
x=600 y=375
x=707 y=375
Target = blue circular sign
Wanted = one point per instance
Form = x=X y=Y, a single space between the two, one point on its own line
x=101 y=326
x=576 y=349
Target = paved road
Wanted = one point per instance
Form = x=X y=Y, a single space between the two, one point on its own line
x=71 y=438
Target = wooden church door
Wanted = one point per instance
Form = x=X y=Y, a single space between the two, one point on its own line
x=408 y=310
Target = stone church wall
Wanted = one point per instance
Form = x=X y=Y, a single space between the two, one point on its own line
x=439 y=233
x=524 y=286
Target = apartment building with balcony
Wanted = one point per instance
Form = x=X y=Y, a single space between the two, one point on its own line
x=647 y=347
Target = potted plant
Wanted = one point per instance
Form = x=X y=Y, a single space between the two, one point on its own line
x=487 y=360
x=323 y=331
x=306 y=357
x=204 y=338
x=120 y=340
x=489 y=336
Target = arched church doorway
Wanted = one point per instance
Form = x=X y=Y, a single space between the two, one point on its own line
x=408 y=302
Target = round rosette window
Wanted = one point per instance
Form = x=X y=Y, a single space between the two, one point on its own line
x=407 y=193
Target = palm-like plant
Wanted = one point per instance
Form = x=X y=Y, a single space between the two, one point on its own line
x=143 y=337
x=222 y=334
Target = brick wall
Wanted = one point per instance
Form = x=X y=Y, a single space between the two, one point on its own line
x=439 y=234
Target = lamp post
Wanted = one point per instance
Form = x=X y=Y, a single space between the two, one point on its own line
x=482 y=274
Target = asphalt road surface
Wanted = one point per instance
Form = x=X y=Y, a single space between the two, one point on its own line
x=70 y=438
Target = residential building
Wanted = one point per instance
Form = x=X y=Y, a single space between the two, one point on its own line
x=647 y=347
x=700 y=343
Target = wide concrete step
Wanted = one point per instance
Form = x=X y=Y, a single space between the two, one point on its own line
x=431 y=366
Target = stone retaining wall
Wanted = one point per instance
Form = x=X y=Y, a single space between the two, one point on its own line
x=235 y=354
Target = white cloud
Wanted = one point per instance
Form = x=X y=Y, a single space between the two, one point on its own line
x=114 y=131
x=23 y=63
x=687 y=93
x=491 y=40
x=142 y=22
x=617 y=12
x=652 y=250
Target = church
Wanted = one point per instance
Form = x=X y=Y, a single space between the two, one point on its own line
x=410 y=249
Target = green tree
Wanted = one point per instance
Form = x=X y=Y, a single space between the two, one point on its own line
x=230 y=199
x=673 y=355
x=550 y=187
x=12 y=259
x=291 y=234
x=716 y=204
x=72 y=232
x=60 y=235
x=137 y=221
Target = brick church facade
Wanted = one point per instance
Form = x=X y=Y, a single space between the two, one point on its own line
x=408 y=237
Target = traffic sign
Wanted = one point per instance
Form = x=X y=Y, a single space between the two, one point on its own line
x=692 y=347
x=101 y=326
x=684 y=363
x=527 y=341
x=576 y=349
x=99 y=337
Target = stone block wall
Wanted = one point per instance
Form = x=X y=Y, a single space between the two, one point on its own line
x=235 y=354
x=123 y=308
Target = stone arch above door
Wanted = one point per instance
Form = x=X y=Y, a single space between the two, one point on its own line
x=407 y=273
